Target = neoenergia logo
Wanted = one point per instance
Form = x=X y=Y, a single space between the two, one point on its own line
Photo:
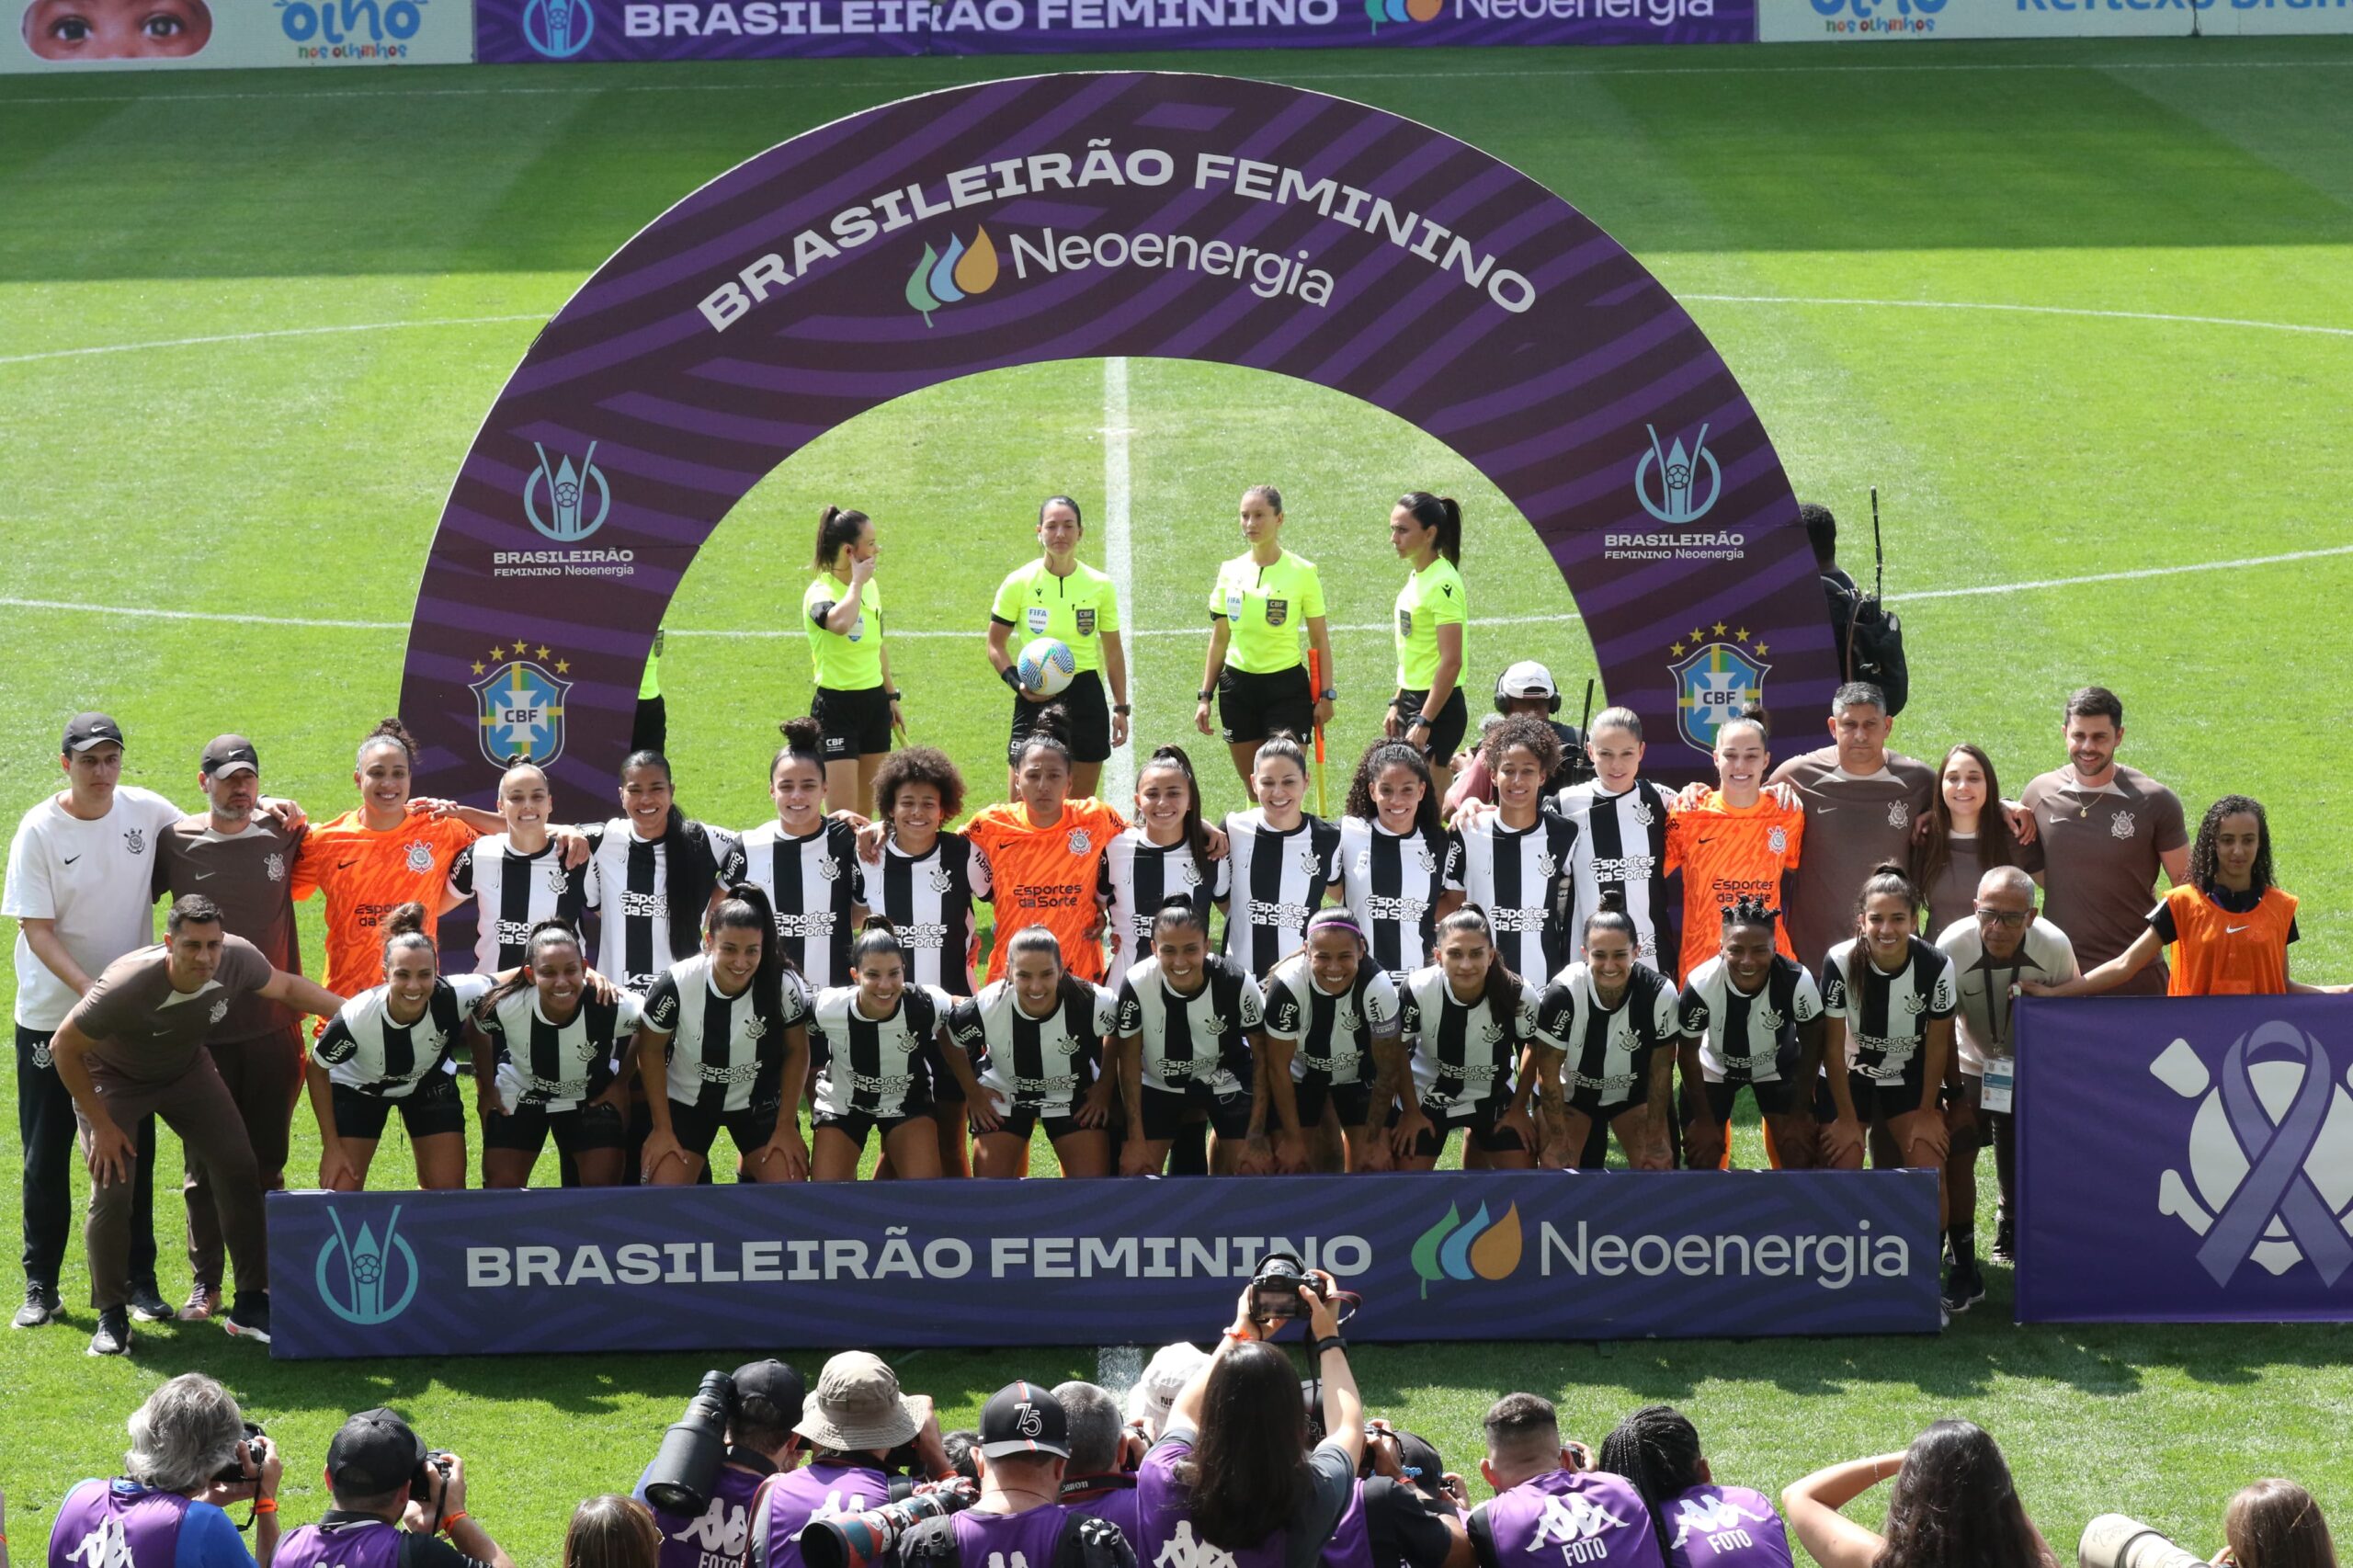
x=1402 y=11
x=942 y=278
x=1481 y=1249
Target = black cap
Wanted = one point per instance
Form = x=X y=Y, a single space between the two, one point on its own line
x=1424 y=1468
x=775 y=1383
x=230 y=753
x=374 y=1453
x=86 y=729
x=1023 y=1418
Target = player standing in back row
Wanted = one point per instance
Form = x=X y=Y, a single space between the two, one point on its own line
x=1260 y=603
x=1059 y=596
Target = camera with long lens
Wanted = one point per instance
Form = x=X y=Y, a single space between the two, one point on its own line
x=686 y=1467
x=1274 y=1289
x=858 y=1540
x=2112 y=1541
x=251 y=1450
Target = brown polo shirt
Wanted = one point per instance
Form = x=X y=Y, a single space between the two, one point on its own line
x=144 y=1031
x=2101 y=852
x=250 y=875
x=1852 y=824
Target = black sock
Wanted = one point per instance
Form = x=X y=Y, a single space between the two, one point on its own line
x=1188 y=1153
x=1964 y=1246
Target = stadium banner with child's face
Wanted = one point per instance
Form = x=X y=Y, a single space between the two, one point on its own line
x=55 y=36
x=525 y=31
x=2186 y=1159
x=1548 y=1255
x=1115 y=213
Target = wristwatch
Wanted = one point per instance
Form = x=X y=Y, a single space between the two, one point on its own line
x=1421 y=718
x=1329 y=694
x=890 y=697
x=1122 y=708
x=1201 y=696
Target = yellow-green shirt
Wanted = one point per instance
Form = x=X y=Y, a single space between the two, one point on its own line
x=651 y=686
x=844 y=661
x=1431 y=598
x=1266 y=609
x=1077 y=609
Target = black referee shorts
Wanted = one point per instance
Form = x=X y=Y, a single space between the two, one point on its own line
x=697 y=1129
x=857 y=723
x=1250 y=707
x=429 y=1111
x=1090 y=720
x=1453 y=720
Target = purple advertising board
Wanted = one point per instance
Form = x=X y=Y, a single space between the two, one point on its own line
x=1117 y=213
x=526 y=31
x=2184 y=1160
x=1549 y=1255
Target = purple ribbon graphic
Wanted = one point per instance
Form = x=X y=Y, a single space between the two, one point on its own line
x=2276 y=1182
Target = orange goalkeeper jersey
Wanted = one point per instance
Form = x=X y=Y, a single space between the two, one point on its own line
x=1724 y=854
x=1046 y=876
x=367 y=875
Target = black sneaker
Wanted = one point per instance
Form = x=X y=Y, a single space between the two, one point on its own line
x=113 y=1337
x=249 y=1319
x=2006 y=1241
x=147 y=1304
x=1964 y=1287
x=41 y=1306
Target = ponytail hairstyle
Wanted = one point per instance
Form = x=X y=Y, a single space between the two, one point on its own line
x=406 y=925
x=746 y=908
x=1657 y=1448
x=1041 y=940
x=1378 y=759
x=1049 y=729
x=1176 y=911
x=1063 y=501
x=2205 y=862
x=1750 y=909
x=688 y=872
x=1524 y=730
x=1499 y=990
x=1269 y=493
x=837 y=529
x=547 y=934
x=1886 y=878
x=1283 y=746
x=879 y=936
x=1196 y=833
x=387 y=731
x=804 y=738
x=1612 y=916
x=1439 y=512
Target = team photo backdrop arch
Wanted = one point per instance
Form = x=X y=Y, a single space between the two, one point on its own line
x=1083 y=215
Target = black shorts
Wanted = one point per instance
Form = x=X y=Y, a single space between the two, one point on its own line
x=1090 y=720
x=1589 y=1102
x=1478 y=1124
x=1352 y=1103
x=1163 y=1113
x=578 y=1131
x=697 y=1129
x=1774 y=1098
x=1022 y=1120
x=1876 y=1099
x=429 y=1111
x=857 y=723
x=1453 y=720
x=1250 y=707
x=855 y=1125
x=945 y=1089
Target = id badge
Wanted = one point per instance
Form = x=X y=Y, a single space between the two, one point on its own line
x=2001 y=1084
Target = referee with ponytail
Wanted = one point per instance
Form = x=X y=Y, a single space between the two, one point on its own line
x=1428 y=711
x=842 y=612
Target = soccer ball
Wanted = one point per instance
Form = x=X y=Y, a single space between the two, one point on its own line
x=1046 y=667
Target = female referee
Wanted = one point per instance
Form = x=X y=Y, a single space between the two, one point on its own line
x=1035 y=1039
x=1428 y=709
x=875 y=1049
x=1059 y=596
x=841 y=611
x=1257 y=606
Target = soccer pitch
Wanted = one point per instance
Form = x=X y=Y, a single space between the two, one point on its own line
x=2083 y=313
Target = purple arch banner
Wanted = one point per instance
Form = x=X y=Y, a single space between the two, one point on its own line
x=1145 y=214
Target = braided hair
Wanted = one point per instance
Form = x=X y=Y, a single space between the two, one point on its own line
x=1750 y=909
x=1657 y=1448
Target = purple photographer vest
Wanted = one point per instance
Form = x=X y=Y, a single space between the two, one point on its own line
x=1165 y=1536
x=719 y=1537
x=353 y=1543
x=1724 y=1526
x=1117 y=1506
x=103 y=1524
x=1025 y=1539
x=817 y=1491
x=1565 y=1520
x=1351 y=1543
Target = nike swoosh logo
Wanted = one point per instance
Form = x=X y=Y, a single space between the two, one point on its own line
x=71 y=858
x=2234 y=930
x=345 y=864
x=202 y=876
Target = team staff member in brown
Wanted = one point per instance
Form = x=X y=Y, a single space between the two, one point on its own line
x=134 y=1047
x=242 y=859
x=1862 y=803
x=2106 y=831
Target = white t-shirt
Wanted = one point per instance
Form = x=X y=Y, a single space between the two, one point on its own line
x=94 y=879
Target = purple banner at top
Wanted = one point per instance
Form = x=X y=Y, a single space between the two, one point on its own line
x=2186 y=1160
x=525 y=31
x=1132 y=213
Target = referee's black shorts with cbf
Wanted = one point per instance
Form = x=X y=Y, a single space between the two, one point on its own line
x=1090 y=720
x=857 y=723
x=1447 y=730
x=1250 y=707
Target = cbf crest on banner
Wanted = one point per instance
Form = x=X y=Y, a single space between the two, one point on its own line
x=1134 y=213
x=2187 y=1158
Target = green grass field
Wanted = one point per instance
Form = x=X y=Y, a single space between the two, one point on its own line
x=249 y=322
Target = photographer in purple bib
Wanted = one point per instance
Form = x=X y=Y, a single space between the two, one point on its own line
x=1551 y=1507
x=864 y=1437
x=192 y=1454
x=394 y=1502
x=1700 y=1523
x=1024 y=1455
x=737 y=1432
x=1100 y=1479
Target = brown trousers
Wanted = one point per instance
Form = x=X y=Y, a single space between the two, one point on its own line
x=197 y=1106
x=265 y=1077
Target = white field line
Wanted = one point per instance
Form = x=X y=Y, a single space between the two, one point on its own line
x=2020 y=309
x=258 y=336
x=1119 y=782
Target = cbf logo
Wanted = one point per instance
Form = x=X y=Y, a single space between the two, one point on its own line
x=2270 y=1154
x=1481 y=1249
x=519 y=704
x=559 y=28
x=364 y=1280
x=942 y=278
x=1666 y=480
x=1714 y=680
x=570 y=515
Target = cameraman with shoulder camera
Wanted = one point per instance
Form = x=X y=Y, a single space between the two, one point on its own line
x=394 y=1499
x=191 y=1452
x=759 y=1442
x=1024 y=1451
x=859 y=1429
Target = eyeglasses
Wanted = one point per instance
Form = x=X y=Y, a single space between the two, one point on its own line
x=2003 y=916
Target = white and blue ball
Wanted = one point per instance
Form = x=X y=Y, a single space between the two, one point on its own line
x=1046 y=667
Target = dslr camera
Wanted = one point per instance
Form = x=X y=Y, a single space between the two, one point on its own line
x=251 y=1450
x=1274 y=1289
x=686 y=1465
x=2112 y=1541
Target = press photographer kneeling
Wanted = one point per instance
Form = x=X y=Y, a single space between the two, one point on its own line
x=394 y=1499
x=736 y=1432
x=191 y=1452
x=1024 y=1451
x=863 y=1436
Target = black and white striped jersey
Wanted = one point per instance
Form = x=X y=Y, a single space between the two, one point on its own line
x=1748 y=1037
x=1521 y=879
x=1463 y=1057
x=1039 y=1064
x=1606 y=1051
x=1621 y=849
x=630 y=892
x=1136 y=876
x=1203 y=1039
x=1887 y=1015
x=927 y=899
x=362 y=1048
x=516 y=892
x=1392 y=883
x=878 y=1067
x=1334 y=1034
x=561 y=1065
x=816 y=885
x=1279 y=880
x=724 y=1054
